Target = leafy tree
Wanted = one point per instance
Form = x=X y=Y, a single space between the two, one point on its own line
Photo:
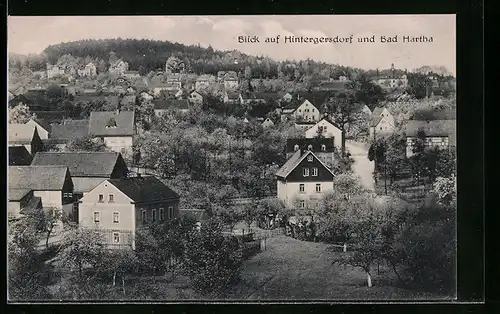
x=26 y=268
x=175 y=65
x=419 y=85
x=86 y=144
x=213 y=261
x=20 y=114
x=365 y=91
x=82 y=248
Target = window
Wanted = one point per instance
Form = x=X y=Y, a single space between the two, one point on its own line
x=309 y=158
x=380 y=128
x=101 y=198
x=323 y=148
x=170 y=212
x=123 y=150
x=144 y=217
x=315 y=172
x=305 y=172
x=162 y=214
x=318 y=188
x=301 y=188
x=111 y=198
x=116 y=217
x=116 y=237
x=300 y=110
x=97 y=217
x=309 y=147
x=302 y=204
x=324 y=128
x=153 y=215
x=296 y=147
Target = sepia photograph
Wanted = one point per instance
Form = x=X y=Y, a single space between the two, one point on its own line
x=231 y=158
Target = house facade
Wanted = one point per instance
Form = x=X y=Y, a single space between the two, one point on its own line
x=88 y=169
x=195 y=98
x=231 y=97
x=327 y=129
x=115 y=128
x=131 y=74
x=119 y=207
x=268 y=123
x=203 y=81
x=437 y=133
x=43 y=128
x=303 y=180
x=54 y=71
x=89 y=70
x=306 y=112
x=53 y=184
x=21 y=201
x=382 y=122
x=118 y=67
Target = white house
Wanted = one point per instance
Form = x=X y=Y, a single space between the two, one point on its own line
x=117 y=208
x=303 y=180
x=268 y=123
x=195 y=98
x=115 y=128
x=306 y=112
x=382 y=122
x=327 y=129
x=89 y=70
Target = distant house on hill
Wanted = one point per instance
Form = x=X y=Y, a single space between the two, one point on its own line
x=382 y=122
x=229 y=78
x=231 y=97
x=203 y=81
x=131 y=74
x=115 y=128
x=54 y=71
x=118 y=67
x=162 y=107
x=268 y=123
x=89 y=70
x=195 y=98
x=158 y=87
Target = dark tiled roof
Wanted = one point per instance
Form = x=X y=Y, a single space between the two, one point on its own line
x=289 y=165
x=50 y=116
x=70 y=130
x=375 y=120
x=17 y=194
x=434 y=115
x=432 y=128
x=19 y=156
x=317 y=98
x=20 y=99
x=315 y=142
x=124 y=123
x=144 y=189
x=41 y=178
x=43 y=123
x=81 y=164
x=378 y=111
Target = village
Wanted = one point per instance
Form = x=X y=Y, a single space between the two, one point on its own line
x=148 y=166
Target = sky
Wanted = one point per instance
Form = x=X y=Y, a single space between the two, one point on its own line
x=32 y=34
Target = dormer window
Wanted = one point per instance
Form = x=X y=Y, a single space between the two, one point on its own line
x=323 y=148
x=296 y=148
x=310 y=147
x=111 y=123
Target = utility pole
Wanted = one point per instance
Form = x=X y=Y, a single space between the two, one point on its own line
x=385 y=173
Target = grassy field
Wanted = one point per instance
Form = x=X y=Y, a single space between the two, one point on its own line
x=291 y=269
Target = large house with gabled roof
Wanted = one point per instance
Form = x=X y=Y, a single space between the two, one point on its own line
x=88 y=169
x=382 y=122
x=303 y=180
x=119 y=207
x=326 y=128
x=115 y=128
